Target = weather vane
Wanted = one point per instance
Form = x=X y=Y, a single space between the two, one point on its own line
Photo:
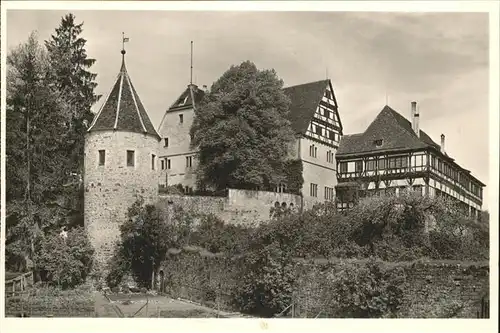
x=124 y=40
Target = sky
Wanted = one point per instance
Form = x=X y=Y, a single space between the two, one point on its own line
x=439 y=60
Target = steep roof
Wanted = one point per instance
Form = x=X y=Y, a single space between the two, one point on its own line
x=305 y=99
x=185 y=100
x=393 y=129
x=123 y=109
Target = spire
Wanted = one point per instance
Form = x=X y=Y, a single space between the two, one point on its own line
x=122 y=110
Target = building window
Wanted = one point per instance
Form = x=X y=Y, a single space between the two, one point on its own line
x=378 y=143
x=189 y=161
x=313 y=190
x=329 y=193
x=102 y=157
x=330 y=157
x=281 y=188
x=153 y=161
x=359 y=166
x=331 y=135
x=169 y=166
x=328 y=94
x=163 y=164
x=343 y=167
x=166 y=142
x=370 y=165
x=130 y=158
x=313 y=151
x=319 y=130
x=181 y=118
x=381 y=164
x=326 y=113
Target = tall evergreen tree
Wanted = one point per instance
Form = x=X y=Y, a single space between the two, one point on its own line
x=242 y=130
x=36 y=119
x=75 y=83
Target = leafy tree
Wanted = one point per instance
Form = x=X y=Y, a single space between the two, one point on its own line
x=145 y=239
x=242 y=130
x=65 y=262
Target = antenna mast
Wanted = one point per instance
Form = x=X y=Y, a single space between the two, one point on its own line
x=191 y=78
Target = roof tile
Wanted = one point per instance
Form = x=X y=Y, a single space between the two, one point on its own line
x=305 y=99
x=123 y=109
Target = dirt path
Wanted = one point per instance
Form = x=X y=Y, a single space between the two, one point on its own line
x=140 y=306
x=102 y=307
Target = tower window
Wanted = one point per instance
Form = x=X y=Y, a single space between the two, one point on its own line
x=102 y=157
x=189 y=161
x=181 y=118
x=166 y=142
x=168 y=164
x=130 y=158
x=153 y=161
x=163 y=164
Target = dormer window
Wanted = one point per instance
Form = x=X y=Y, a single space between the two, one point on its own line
x=183 y=101
x=378 y=142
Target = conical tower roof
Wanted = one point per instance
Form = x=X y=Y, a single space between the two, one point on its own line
x=123 y=109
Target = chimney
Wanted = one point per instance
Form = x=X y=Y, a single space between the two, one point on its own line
x=415 y=119
x=442 y=144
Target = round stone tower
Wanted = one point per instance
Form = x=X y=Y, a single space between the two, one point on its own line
x=121 y=154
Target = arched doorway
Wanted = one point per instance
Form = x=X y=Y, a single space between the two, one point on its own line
x=162 y=282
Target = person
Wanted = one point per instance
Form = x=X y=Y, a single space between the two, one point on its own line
x=63 y=234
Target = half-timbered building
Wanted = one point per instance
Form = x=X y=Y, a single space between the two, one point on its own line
x=394 y=154
x=315 y=119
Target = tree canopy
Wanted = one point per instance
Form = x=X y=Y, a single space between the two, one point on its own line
x=242 y=131
x=49 y=97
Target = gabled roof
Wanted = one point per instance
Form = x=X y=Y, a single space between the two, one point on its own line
x=393 y=129
x=123 y=109
x=305 y=99
x=396 y=134
x=185 y=100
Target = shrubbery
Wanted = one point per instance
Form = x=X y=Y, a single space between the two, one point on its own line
x=264 y=282
x=145 y=239
x=369 y=290
x=388 y=228
x=64 y=262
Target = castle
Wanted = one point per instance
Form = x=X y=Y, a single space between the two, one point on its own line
x=126 y=157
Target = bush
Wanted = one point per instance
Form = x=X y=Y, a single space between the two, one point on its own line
x=356 y=290
x=145 y=239
x=264 y=282
x=65 y=262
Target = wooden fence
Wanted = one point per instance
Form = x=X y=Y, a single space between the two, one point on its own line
x=19 y=283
